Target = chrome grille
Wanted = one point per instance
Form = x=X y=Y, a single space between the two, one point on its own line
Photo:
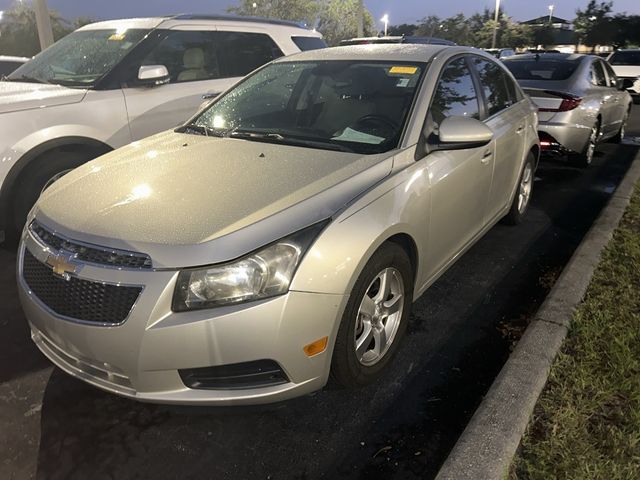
x=76 y=298
x=89 y=253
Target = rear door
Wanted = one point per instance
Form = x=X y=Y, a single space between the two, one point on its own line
x=505 y=116
x=621 y=95
x=608 y=98
x=202 y=62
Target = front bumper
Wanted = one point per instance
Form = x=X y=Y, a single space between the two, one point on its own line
x=140 y=358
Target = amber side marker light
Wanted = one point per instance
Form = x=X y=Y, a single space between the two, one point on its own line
x=316 y=347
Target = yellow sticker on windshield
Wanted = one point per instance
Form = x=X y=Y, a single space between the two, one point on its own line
x=117 y=37
x=403 y=70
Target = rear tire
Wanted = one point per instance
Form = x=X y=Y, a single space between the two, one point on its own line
x=522 y=198
x=41 y=174
x=620 y=135
x=373 y=324
x=585 y=158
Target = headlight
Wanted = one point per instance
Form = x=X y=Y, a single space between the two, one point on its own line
x=262 y=274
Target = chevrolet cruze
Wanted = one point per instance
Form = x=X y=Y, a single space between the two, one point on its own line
x=281 y=234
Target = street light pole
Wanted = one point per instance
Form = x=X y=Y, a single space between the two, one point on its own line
x=385 y=19
x=360 y=18
x=43 y=21
x=495 y=27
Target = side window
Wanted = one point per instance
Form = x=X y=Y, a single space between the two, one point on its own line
x=206 y=55
x=242 y=52
x=613 y=78
x=455 y=93
x=597 y=74
x=188 y=55
x=493 y=81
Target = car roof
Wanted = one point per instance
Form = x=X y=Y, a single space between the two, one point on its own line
x=172 y=20
x=396 y=39
x=552 y=56
x=399 y=52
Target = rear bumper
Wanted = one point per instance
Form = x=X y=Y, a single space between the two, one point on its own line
x=569 y=138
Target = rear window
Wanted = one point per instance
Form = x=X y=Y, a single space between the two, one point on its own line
x=625 y=58
x=542 y=69
x=309 y=43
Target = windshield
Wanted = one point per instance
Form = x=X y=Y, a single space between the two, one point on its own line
x=625 y=58
x=352 y=106
x=539 y=68
x=80 y=58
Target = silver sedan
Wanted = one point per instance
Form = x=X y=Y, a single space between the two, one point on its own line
x=284 y=231
x=580 y=100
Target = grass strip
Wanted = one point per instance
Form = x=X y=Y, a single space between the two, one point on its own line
x=586 y=424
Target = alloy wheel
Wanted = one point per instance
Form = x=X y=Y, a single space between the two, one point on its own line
x=379 y=316
x=524 y=191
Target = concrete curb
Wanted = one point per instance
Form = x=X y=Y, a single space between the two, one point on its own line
x=486 y=447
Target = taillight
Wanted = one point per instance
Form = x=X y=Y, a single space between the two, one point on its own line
x=569 y=102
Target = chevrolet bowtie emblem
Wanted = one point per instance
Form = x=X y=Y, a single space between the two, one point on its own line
x=61 y=265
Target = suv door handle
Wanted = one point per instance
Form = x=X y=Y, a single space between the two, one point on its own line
x=486 y=157
x=210 y=95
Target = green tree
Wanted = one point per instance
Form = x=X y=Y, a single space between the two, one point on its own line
x=516 y=35
x=544 y=36
x=305 y=11
x=407 y=29
x=19 y=32
x=592 y=25
x=338 y=20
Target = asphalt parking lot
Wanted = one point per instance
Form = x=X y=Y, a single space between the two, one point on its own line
x=461 y=332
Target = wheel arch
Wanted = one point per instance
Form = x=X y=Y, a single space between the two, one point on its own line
x=69 y=143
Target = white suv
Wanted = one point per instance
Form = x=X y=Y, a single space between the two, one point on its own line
x=111 y=83
x=626 y=65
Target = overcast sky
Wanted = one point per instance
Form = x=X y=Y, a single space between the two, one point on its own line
x=400 y=11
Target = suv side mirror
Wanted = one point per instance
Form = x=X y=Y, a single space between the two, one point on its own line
x=153 y=75
x=459 y=133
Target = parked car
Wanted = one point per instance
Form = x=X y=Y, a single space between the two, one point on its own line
x=283 y=232
x=110 y=83
x=500 y=52
x=8 y=64
x=396 y=39
x=580 y=100
x=626 y=65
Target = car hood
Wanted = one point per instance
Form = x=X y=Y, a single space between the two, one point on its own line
x=16 y=96
x=626 y=70
x=177 y=196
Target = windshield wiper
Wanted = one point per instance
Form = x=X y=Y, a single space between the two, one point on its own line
x=279 y=138
x=196 y=129
x=26 y=78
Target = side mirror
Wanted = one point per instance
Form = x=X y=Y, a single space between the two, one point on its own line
x=459 y=133
x=153 y=75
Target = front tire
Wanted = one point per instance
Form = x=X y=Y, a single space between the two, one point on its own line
x=620 y=135
x=375 y=319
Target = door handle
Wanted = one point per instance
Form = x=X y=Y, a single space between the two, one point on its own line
x=486 y=157
x=209 y=96
x=520 y=129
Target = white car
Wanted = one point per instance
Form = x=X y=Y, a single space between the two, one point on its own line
x=8 y=64
x=626 y=65
x=110 y=83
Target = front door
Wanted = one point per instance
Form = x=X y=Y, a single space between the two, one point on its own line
x=459 y=179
